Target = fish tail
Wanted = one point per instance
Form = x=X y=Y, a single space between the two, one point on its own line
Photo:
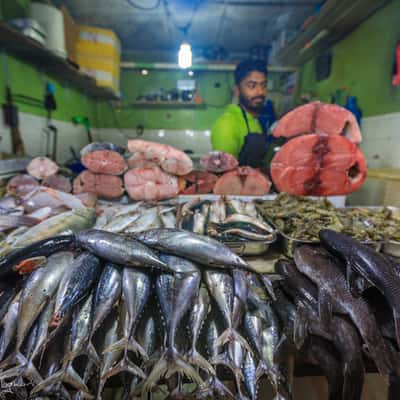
x=231 y=335
x=135 y=347
x=125 y=365
x=120 y=345
x=51 y=380
x=352 y=383
x=92 y=354
x=170 y=363
x=268 y=285
x=264 y=369
x=224 y=359
x=221 y=389
x=396 y=317
x=380 y=356
x=197 y=359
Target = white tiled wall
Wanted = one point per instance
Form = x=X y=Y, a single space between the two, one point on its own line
x=35 y=139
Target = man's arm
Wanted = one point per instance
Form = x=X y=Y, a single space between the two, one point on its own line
x=224 y=137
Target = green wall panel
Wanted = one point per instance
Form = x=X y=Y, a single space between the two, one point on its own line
x=363 y=64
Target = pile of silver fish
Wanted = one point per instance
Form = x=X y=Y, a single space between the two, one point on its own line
x=225 y=219
x=95 y=309
x=338 y=303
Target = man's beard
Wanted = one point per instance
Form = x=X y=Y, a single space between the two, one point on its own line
x=251 y=107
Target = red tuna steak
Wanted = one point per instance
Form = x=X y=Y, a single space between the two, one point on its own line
x=199 y=182
x=316 y=117
x=107 y=186
x=169 y=158
x=150 y=184
x=104 y=162
x=244 y=181
x=218 y=161
x=318 y=165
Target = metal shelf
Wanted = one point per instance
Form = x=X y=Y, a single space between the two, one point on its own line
x=33 y=52
x=335 y=20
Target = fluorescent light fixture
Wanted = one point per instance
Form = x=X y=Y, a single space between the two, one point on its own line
x=190 y=73
x=185 y=56
x=144 y=72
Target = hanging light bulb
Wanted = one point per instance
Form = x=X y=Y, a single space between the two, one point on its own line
x=185 y=56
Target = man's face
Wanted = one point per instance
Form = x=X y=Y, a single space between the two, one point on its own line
x=252 y=92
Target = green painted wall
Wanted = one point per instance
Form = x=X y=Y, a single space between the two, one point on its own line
x=26 y=79
x=133 y=84
x=363 y=63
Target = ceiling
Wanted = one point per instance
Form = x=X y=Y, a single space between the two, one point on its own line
x=155 y=28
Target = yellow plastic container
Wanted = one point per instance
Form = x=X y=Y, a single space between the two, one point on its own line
x=98 y=42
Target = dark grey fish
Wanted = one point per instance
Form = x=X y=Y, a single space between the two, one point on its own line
x=334 y=295
x=108 y=291
x=198 y=248
x=371 y=265
x=9 y=324
x=119 y=249
x=85 y=272
x=176 y=294
x=96 y=146
x=320 y=352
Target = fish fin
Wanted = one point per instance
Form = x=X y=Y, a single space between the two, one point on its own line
x=324 y=307
x=280 y=349
x=92 y=354
x=300 y=329
x=125 y=365
x=396 y=317
x=221 y=389
x=223 y=359
x=119 y=345
x=10 y=360
x=170 y=363
x=135 y=347
x=230 y=335
x=268 y=285
x=51 y=380
x=29 y=264
x=197 y=359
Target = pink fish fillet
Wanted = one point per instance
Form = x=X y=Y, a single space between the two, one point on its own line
x=42 y=167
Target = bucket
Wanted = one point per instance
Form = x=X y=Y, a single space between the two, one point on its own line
x=52 y=20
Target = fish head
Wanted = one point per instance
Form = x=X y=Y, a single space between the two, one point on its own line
x=337 y=242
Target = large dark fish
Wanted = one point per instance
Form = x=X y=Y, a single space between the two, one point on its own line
x=371 y=265
x=198 y=248
x=198 y=315
x=320 y=352
x=85 y=272
x=334 y=295
x=14 y=262
x=135 y=293
x=119 y=249
x=108 y=291
x=176 y=294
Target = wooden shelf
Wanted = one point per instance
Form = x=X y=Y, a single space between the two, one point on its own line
x=33 y=52
x=166 y=104
x=336 y=19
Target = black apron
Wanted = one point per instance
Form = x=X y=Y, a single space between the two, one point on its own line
x=255 y=146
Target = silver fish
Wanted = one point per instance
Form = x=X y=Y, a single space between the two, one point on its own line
x=119 y=249
x=9 y=324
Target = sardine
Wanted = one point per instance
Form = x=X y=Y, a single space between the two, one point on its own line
x=249 y=373
x=119 y=249
x=108 y=291
x=176 y=294
x=334 y=294
x=85 y=271
x=198 y=248
x=369 y=264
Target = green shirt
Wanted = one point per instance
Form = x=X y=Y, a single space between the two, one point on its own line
x=229 y=131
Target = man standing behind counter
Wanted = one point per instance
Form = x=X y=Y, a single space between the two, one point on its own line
x=238 y=131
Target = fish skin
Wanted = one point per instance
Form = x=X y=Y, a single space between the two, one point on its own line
x=44 y=248
x=176 y=294
x=317 y=265
x=198 y=315
x=9 y=324
x=371 y=265
x=7 y=296
x=108 y=291
x=198 y=248
x=84 y=273
x=40 y=286
x=320 y=352
x=74 y=221
x=119 y=249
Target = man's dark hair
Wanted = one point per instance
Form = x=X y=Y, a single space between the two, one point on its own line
x=246 y=67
